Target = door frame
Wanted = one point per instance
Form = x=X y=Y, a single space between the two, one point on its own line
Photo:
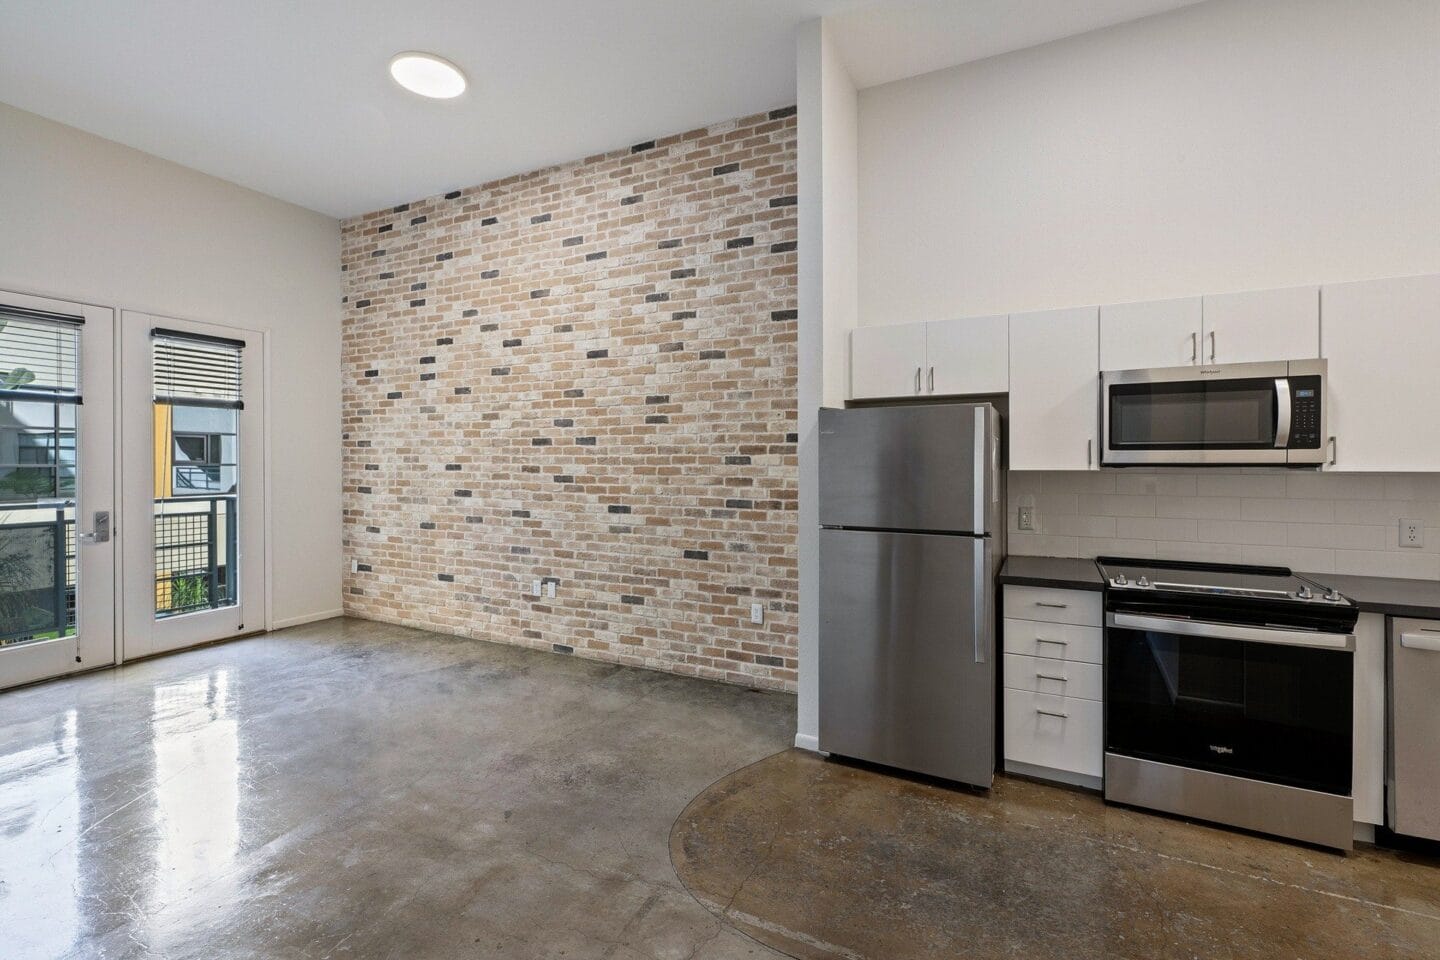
x=141 y=635
x=47 y=659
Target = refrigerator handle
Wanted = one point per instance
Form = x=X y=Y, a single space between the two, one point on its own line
x=979 y=598
x=980 y=463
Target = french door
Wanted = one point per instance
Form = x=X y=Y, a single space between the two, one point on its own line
x=57 y=488
x=192 y=488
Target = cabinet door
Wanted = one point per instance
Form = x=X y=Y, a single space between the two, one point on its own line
x=1381 y=343
x=1162 y=333
x=1261 y=325
x=887 y=361
x=968 y=356
x=1054 y=389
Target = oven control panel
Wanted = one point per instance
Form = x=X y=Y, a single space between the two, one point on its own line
x=1305 y=419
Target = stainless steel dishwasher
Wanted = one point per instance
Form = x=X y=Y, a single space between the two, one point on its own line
x=1413 y=764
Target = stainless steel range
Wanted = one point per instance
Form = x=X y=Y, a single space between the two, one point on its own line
x=1228 y=696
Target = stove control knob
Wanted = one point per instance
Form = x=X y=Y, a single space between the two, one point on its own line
x=1120 y=580
x=1304 y=593
x=1332 y=595
x=1144 y=582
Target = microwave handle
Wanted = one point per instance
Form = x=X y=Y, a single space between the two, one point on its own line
x=1282 y=413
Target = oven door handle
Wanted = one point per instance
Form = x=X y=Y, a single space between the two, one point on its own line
x=1232 y=631
x=1282 y=413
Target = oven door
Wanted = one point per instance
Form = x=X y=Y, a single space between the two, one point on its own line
x=1255 y=702
x=1235 y=414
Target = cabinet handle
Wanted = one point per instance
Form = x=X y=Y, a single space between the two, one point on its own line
x=1089 y=452
x=1057 y=606
x=917 y=379
x=1194 y=345
x=1212 y=346
x=1052 y=713
x=1334 y=451
x=1051 y=676
x=932 y=379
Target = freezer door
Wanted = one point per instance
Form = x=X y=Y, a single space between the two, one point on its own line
x=1414 y=775
x=907 y=666
x=910 y=467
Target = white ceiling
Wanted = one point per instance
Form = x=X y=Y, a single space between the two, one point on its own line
x=292 y=97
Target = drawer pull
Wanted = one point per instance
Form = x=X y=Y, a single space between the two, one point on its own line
x=1058 y=643
x=1052 y=713
x=1051 y=676
x=1056 y=606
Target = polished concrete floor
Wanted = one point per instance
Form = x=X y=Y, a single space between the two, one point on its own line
x=824 y=860
x=354 y=790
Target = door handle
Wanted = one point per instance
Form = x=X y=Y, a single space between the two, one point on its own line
x=1417 y=641
x=1212 y=346
x=1194 y=345
x=932 y=379
x=1334 y=451
x=101 y=533
x=917 y=379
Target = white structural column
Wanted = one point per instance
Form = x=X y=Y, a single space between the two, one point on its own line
x=829 y=203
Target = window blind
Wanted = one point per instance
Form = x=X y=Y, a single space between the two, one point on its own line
x=39 y=356
x=192 y=370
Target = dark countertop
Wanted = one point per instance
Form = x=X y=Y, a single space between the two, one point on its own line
x=1390 y=595
x=1065 y=572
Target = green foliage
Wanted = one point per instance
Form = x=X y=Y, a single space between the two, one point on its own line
x=14 y=379
x=186 y=592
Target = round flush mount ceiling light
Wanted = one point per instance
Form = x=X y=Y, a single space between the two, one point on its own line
x=427 y=75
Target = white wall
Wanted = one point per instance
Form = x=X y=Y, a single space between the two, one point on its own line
x=1232 y=145
x=86 y=219
x=827 y=160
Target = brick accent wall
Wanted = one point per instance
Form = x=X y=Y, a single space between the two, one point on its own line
x=584 y=375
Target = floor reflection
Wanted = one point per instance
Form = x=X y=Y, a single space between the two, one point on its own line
x=39 y=814
x=197 y=754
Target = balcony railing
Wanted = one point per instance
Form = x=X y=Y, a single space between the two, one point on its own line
x=195 y=547
x=195 y=552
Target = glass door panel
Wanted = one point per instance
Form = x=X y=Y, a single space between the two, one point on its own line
x=57 y=612
x=195 y=564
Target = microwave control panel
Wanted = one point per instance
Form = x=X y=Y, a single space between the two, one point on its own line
x=1305 y=423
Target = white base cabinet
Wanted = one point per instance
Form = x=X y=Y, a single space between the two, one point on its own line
x=1054 y=713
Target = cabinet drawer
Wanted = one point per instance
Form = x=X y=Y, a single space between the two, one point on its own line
x=1062 y=733
x=1065 y=678
x=1053 y=605
x=1056 y=641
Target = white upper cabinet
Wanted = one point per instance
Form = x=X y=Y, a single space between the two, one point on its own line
x=1054 y=389
x=1261 y=325
x=887 y=361
x=1381 y=343
x=1161 y=333
x=967 y=356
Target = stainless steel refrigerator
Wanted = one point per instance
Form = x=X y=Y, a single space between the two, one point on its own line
x=911 y=519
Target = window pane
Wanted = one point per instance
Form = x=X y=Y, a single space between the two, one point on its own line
x=39 y=355
x=37 y=574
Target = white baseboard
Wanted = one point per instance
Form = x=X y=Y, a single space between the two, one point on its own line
x=306 y=618
x=805 y=741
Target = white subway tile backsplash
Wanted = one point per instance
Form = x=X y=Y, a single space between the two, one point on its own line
x=1240 y=485
x=1155 y=528
x=1310 y=521
x=1242 y=532
x=1289 y=511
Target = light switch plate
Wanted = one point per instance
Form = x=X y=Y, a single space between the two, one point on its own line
x=757 y=613
x=535 y=587
x=1412 y=533
x=550 y=589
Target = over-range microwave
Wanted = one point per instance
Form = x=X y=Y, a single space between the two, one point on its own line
x=1234 y=414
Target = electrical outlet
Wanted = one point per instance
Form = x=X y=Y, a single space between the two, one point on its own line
x=550 y=589
x=757 y=613
x=1027 y=518
x=535 y=587
x=1412 y=533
